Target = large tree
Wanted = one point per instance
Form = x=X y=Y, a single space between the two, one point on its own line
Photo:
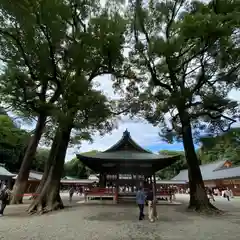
x=96 y=49
x=185 y=59
x=33 y=41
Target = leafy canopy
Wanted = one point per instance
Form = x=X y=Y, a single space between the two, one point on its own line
x=185 y=60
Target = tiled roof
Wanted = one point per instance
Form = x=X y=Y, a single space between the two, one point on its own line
x=33 y=175
x=212 y=171
x=69 y=178
x=125 y=155
x=5 y=172
x=79 y=181
x=172 y=182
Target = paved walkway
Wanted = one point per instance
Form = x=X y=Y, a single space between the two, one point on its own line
x=119 y=222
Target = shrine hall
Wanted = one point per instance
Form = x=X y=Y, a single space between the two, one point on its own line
x=124 y=165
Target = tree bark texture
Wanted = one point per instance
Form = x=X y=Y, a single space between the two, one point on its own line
x=53 y=152
x=49 y=197
x=22 y=179
x=198 y=197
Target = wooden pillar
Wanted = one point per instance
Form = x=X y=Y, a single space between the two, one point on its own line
x=105 y=180
x=117 y=188
x=132 y=183
x=154 y=197
x=100 y=179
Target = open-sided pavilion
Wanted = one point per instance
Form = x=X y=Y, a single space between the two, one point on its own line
x=125 y=164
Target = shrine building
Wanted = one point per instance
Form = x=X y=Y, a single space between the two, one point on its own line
x=125 y=165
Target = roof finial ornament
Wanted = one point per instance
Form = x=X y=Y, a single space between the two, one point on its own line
x=126 y=133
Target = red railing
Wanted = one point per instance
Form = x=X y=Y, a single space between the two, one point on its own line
x=100 y=191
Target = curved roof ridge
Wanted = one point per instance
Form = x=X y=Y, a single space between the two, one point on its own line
x=126 y=138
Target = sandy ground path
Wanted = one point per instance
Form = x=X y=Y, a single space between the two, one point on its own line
x=119 y=222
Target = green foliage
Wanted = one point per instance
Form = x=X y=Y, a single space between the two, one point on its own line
x=75 y=168
x=40 y=159
x=95 y=49
x=52 y=51
x=32 y=35
x=182 y=70
x=223 y=147
x=12 y=143
x=174 y=169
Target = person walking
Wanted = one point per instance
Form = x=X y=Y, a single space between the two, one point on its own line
x=211 y=196
x=71 y=192
x=5 y=194
x=140 y=197
x=149 y=199
x=227 y=194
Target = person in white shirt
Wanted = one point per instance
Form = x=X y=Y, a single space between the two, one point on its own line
x=227 y=194
x=4 y=197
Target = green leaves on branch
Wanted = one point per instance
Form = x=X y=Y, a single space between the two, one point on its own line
x=190 y=54
x=52 y=51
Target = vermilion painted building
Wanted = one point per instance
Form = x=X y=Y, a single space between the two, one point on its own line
x=220 y=174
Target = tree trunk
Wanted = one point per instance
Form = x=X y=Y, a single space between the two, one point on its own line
x=53 y=152
x=22 y=179
x=198 y=197
x=49 y=198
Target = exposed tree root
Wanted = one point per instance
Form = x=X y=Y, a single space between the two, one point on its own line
x=204 y=208
x=42 y=205
x=200 y=203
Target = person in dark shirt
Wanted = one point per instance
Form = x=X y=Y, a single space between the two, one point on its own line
x=211 y=196
x=140 y=198
x=149 y=199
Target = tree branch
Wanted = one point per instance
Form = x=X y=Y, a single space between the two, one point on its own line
x=148 y=61
x=21 y=49
x=215 y=117
x=54 y=65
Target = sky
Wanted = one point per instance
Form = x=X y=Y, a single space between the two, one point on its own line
x=143 y=133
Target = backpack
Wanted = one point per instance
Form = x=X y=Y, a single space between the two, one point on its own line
x=3 y=195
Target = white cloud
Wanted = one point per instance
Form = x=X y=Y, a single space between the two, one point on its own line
x=235 y=94
x=143 y=133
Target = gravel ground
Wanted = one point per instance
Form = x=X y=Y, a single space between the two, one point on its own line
x=119 y=222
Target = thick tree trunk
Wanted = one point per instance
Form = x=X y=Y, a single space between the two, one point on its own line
x=22 y=179
x=198 y=197
x=49 y=198
x=53 y=152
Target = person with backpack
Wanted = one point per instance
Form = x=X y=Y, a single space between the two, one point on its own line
x=5 y=194
x=140 y=197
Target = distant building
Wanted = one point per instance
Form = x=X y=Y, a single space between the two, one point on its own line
x=220 y=174
x=5 y=175
x=33 y=181
x=93 y=177
x=69 y=178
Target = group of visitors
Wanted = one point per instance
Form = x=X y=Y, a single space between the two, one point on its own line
x=148 y=199
x=5 y=194
x=225 y=193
